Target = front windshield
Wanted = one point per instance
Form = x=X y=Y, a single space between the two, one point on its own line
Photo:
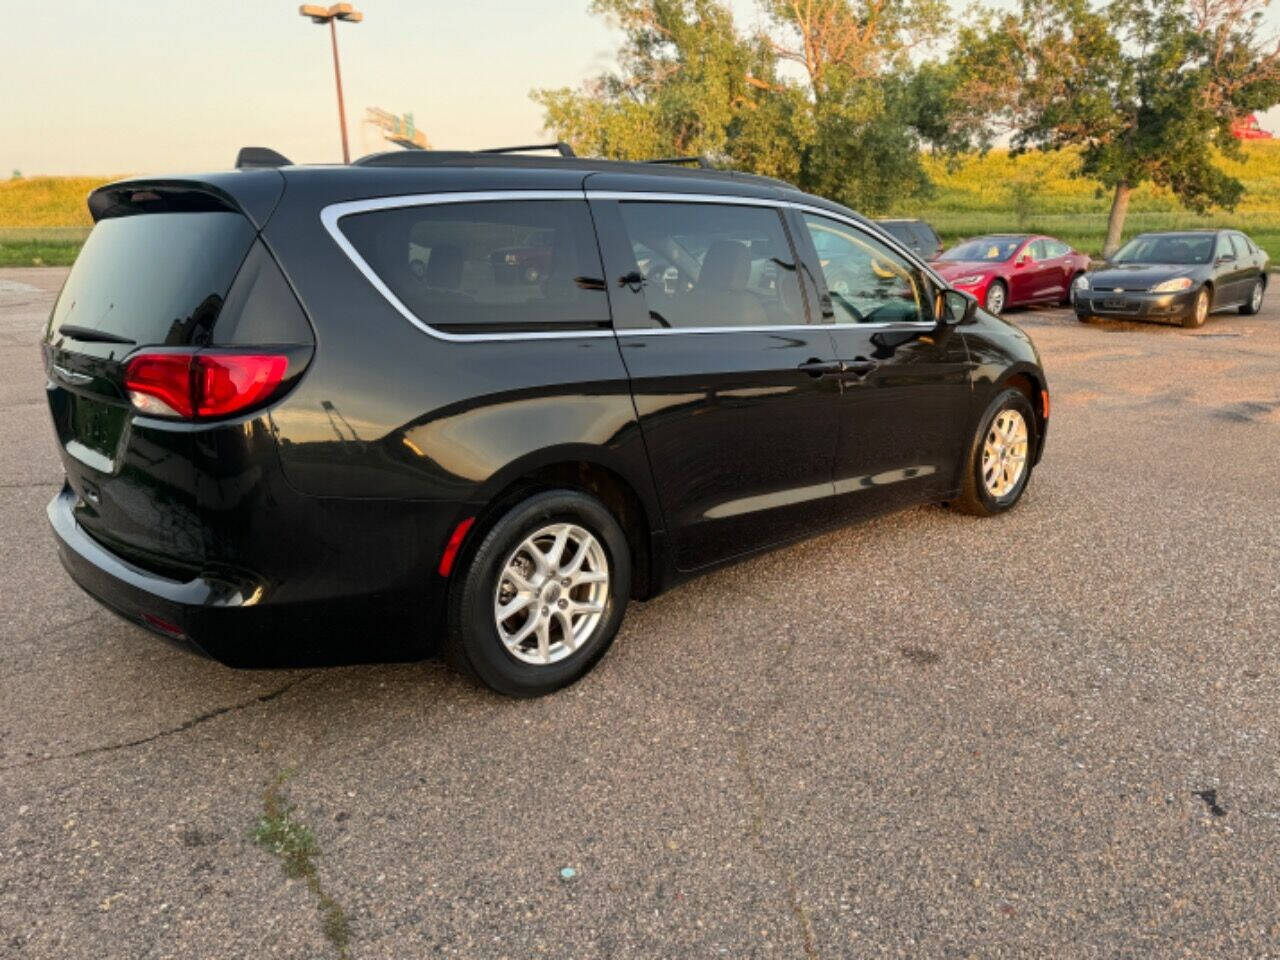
x=989 y=249
x=1169 y=248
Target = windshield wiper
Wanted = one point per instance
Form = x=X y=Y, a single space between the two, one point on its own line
x=90 y=335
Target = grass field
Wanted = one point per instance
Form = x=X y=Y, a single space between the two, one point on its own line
x=44 y=219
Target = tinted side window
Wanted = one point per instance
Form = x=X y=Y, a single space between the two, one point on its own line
x=903 y=233
x=1038 y=250
x=1224 y=246
x=929 y=242
x=1056 y=248
x=713 y=265
x=867 y=281
x=1238 y=244
x=506 y=264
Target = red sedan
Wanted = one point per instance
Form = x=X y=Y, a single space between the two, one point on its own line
x=1010 y=270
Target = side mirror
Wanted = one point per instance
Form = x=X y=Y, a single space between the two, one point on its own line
x=958 y=307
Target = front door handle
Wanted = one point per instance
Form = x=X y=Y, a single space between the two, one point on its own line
x=821 y=368
x=859 y=368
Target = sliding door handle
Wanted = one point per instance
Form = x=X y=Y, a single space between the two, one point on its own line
x=821 y=368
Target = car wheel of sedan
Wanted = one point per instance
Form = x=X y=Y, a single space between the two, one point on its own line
x=1199 y=311
x=1254 y=303
x=996 y=297
x=999 y=462
x=1070 y=299
x=541 y=596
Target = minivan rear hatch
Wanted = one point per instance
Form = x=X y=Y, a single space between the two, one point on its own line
x=154 y=272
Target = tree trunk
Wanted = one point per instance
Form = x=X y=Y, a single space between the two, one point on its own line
x=1115 y=222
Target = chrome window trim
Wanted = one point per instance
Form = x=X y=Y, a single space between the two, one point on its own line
x=330 y=215
x=334 y=212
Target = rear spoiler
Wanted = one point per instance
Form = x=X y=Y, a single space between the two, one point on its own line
x=252 y=192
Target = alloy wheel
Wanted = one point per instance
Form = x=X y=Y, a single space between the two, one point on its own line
x=1004 y=453
x=1255 y=301
x=995 y=299
x=551 y=594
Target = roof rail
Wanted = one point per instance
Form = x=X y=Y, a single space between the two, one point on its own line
x=559 y=146
x=699 y=160
x=260 y=157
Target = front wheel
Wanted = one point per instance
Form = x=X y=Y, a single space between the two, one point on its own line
x=541 y=597
x=1199 y=311
x=1254 y=303
x=996 y=298
x=999 y=462
x=1069 y=299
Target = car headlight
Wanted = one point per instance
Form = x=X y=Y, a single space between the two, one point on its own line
x=1172 y=286
x=969 y=280
x=1082 y=282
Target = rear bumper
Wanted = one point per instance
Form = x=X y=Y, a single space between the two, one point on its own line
x=233 y=619
x=1135 y=306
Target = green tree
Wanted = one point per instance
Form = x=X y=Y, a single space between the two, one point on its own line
x=848 y=127
x=1146 y=88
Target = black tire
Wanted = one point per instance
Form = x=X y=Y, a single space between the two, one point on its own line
x=974 y=498
x=987 y=302
x=1196 y=316
x=1070 y=298
x=472 y=643
x=1254 y=303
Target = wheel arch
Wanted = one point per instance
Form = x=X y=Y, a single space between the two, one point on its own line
x=587 y=471
x=1030 y=382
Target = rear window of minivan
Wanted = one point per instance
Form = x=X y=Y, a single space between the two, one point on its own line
x=155 y=278
x=503 y=264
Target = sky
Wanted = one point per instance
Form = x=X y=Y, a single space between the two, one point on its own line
x=148 y=86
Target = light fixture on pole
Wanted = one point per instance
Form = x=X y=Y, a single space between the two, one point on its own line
x=330 y=15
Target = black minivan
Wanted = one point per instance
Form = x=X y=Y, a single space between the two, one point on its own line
x=492 y=398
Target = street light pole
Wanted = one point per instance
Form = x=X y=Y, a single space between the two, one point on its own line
x=330 y=15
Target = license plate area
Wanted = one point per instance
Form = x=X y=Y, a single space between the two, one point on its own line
x=91 y=430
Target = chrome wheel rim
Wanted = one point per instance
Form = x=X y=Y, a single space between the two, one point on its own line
x=551 y=594
x=1255 y=302
x=995 y=299
x=1202 y=307
x=1004 y=453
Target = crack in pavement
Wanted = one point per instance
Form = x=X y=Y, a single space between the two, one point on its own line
x=171 y=731
x=25 y=485
x=757 y=835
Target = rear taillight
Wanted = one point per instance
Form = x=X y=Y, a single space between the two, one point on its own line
x=191 y=385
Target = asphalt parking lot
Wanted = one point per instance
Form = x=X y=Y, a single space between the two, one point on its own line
x=1052 y=734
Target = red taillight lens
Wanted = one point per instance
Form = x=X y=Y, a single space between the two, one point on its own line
x=230 y=382
x=191 y=385
x=159 y=384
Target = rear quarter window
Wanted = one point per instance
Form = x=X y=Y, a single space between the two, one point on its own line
x=509 y=265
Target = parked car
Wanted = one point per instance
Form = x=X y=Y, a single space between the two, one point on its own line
x=1179 y=276
x=916 y=235
x=1248 y=128
x=1013 y=269
x=328 y=416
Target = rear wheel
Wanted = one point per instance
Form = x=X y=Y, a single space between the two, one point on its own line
x=541 y=596
x=1254 y=303
x=1199 y=311
x=996 y=298
x=999 y=462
